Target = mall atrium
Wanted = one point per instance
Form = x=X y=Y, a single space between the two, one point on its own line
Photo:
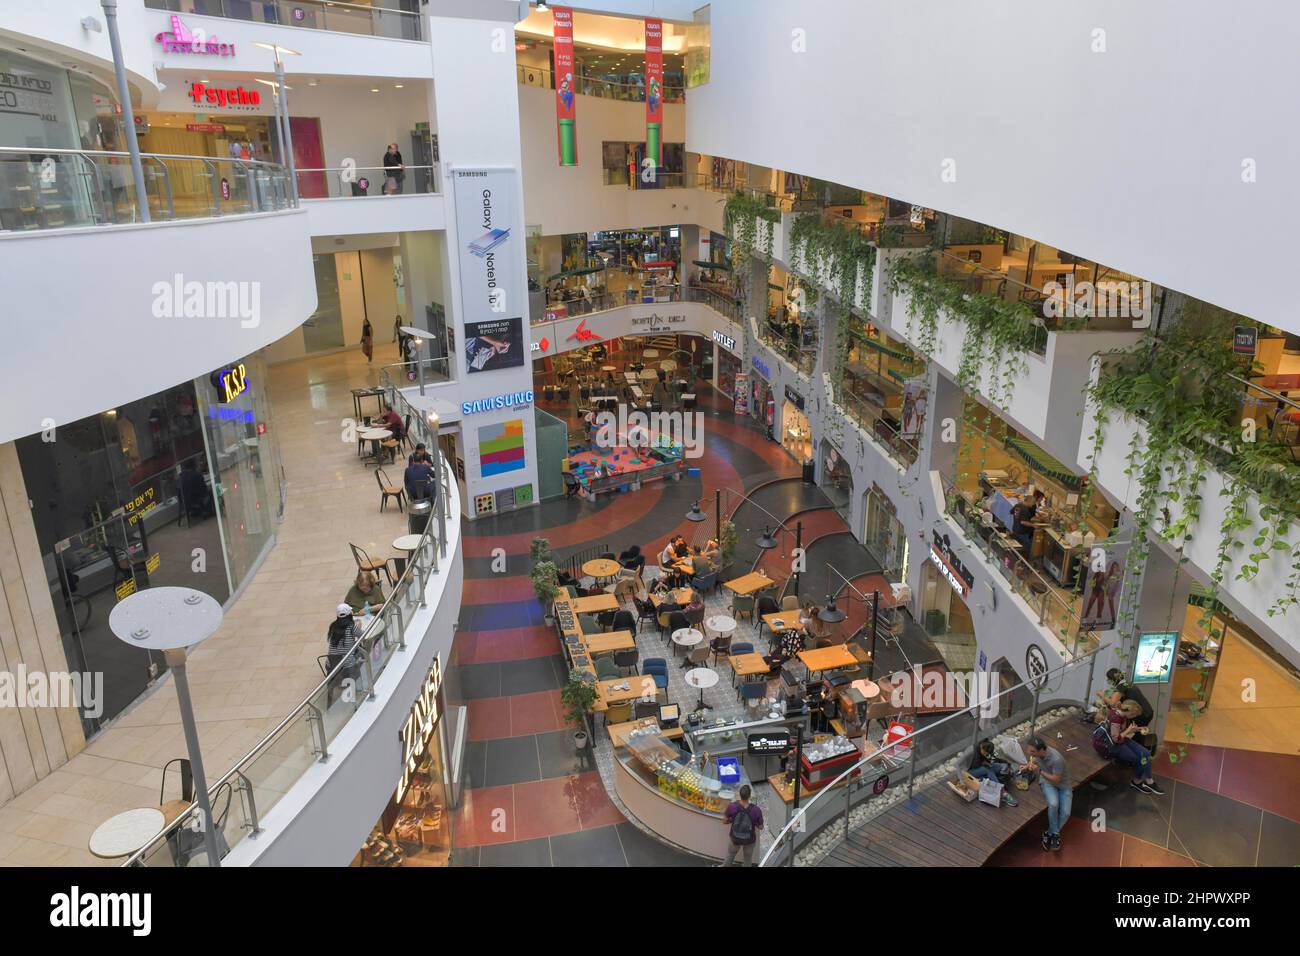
x=648 y=433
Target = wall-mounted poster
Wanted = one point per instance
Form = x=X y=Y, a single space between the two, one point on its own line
x=916 y=396
x=1105 y=577
x=501 y=447
x=1155 y=657
x=742 y=393
x=494 y=344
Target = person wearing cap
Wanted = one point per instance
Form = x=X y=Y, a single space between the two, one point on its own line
x=342 y=635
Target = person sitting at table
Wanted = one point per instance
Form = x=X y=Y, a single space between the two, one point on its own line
x=393 y=422
x=366 y=589
x=421 y=453
x=695 y=604
x=812 y=624
x=1022 y=527
x=712 y=552
x=668 y=558
x=632 y=558
x=342 y=634
x=419 y=480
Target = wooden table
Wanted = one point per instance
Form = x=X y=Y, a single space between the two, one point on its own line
x=639 y=687
x=608 y=642
x=681 y=596
x=618 y=732
x=749 y=583
x=747 y=665
x=790 y=620
x=594 y=603
x=828 y=658
x=599 y=568
x=126 y=833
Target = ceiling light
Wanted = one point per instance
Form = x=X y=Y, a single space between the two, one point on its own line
x=541 y=6
x=397 y=86
x=374 y=89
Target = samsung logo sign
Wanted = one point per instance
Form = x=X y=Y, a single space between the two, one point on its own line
x=508 y=400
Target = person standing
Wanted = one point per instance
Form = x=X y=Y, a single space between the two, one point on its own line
x=342 y=635
x=367 y=340
x=744 y=821
x=394 y=170
x=1054 y=781
x=398 y=334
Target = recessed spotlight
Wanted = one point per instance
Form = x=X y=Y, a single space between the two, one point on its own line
x=374 y=89
x=397 y=86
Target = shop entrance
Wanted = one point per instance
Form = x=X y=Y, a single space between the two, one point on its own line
x=883 y=534
x=837 y=479
x=96 y=568
x=947 y=621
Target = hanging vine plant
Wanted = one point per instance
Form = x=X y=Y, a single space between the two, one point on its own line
x=751 y=224
x=1180 y=384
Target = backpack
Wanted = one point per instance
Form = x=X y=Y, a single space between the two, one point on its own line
x=742 y=826
x=1102 y=742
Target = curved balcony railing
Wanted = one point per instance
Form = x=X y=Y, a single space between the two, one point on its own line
x=919 y=751
x=311 y=14
x=718 y=301
x=342 y=182
x=64 y=188
x=595 y=86
x=605 y=301
x=241 y=797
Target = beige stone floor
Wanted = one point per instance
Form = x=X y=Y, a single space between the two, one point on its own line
x=262 y=662
x=1271 y=722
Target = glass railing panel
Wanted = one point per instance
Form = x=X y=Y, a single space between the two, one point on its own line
x=353 y=182
x=332 y=15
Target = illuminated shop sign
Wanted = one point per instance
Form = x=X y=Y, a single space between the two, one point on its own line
x=656 y=322
x=223 y=96
x=794 y=398
x=181 y=39
x=726 y=341
x=231 y=383
x=953 y=571
x=508 y=400
x=420 y=724
x=762 y=367
x=584 y=334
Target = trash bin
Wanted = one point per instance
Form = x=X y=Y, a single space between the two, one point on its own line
x=417 y=515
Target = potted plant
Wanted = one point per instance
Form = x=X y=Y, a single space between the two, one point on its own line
x=540 y=550
x=579 y=696
x=546 y=585
x=729 y=539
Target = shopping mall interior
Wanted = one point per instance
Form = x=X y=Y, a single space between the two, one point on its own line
x=517 y=435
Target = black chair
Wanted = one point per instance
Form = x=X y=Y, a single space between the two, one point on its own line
x=389 y=490
x=187 y=780
x=406 y=432
x=623 y=621
x=645 y=708
x=625 y=659
x=753 y=690
x=677 y=621
x=645 y=611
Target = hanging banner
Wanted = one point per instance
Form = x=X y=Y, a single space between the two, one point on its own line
x=492 y=285
x=566 y=114
x=654 y=91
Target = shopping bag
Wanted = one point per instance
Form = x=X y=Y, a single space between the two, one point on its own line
x=990 y=792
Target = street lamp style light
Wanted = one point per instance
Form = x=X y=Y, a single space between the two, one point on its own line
x=766 y=541
x=418 y=336
x=831 y=614
x=172 y=620
x=282 y=112
x=695 y=514
x=128 y=113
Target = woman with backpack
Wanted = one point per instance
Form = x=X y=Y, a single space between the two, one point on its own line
x=1114 y=739
x=744 y=820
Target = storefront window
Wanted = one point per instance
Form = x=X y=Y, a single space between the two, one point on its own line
x=796 y=434
x=415 y=829
x=241 y=450
x=122 y=501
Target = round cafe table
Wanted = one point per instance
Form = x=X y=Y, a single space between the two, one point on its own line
x=374 y=436
x=668 y=365
x=687 y=637
x=601 y=568
x=407 y=543
x=124 y=834
x=608 y=368
x=701 y=677
x=721 y=625
x=650 y=354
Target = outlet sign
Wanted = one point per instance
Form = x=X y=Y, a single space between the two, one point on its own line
x=726 y=341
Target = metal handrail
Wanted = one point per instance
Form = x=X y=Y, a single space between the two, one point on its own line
x=413 y=20
x=795 y=822
x=408 y=578
x=671 y=94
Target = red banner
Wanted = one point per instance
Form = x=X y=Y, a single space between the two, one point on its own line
x=566 y=114
x=654 y=91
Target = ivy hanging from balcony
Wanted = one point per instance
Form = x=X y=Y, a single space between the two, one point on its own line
x=998 y=333
x=1179 y=384
x=751 y=224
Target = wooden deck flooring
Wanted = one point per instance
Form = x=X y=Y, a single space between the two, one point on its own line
x=938 y=828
